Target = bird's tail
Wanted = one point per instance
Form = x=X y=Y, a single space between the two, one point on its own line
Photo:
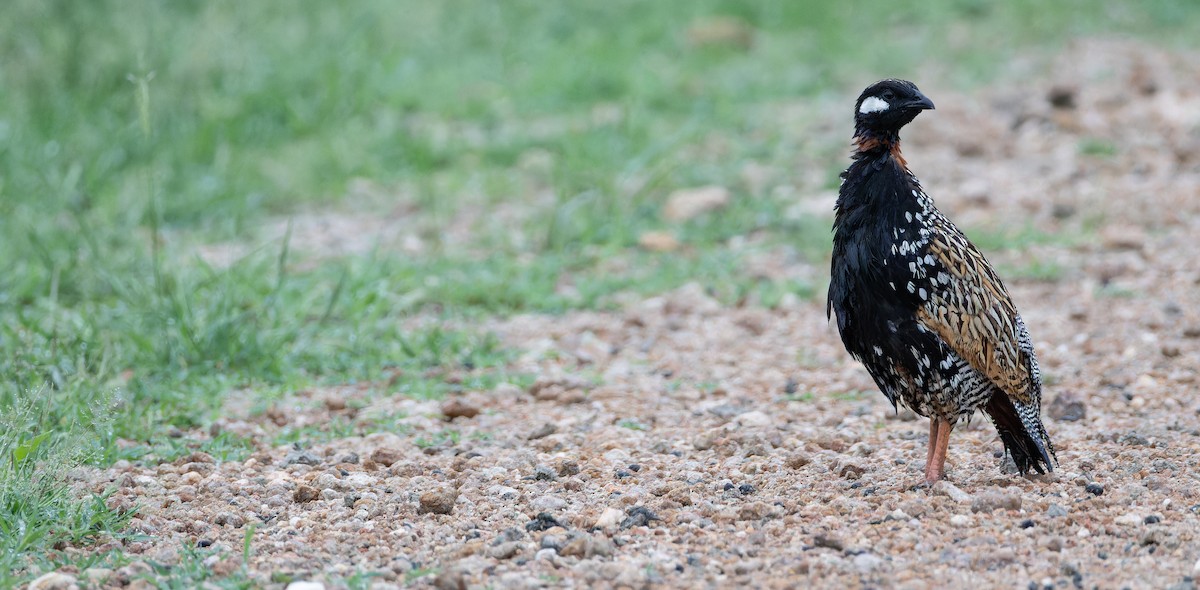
x=1022 y=433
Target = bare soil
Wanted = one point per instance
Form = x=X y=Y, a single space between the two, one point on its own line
x=682 y=443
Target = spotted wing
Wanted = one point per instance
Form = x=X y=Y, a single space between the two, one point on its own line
x=973 y=314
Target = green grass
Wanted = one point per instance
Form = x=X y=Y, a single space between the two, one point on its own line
x=134 y=132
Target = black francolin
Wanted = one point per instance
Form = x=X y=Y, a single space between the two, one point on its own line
x=919 y=305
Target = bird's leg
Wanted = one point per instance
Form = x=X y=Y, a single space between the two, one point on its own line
x=933 y=435
x=939 y=442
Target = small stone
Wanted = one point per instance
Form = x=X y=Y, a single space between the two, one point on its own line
x=438 y=502
x=952 y=491
x=505 y=550
x=960 y=520
x=504 y=492
x=305 y=494
x=867 y=563
x=829 y=542
x=1094 y=489
x=545 y=554
x=544 y=473
x=359 y=480
x=542 y=431
x=849 y=470
x=300 y=457
x=685 y=204
x=551 y=541
x=585 y=546
x=1067 y=407
x=897 y=514
x=1056 y=511
x=457 y=408
x=993 y=500
x=753 y=418
x=658 y=241
x=1152 y=519
x=610 y=518
x=54 y=581
x=1129 y=519
x=97 y=576
x=386 y=456
x=335 y=404
x=543 y=522
x=305 y=585
x=351 y=458
x=454 y=578
x=1134 y=439
x=229 y=519
x=1062 y=97
x=797 y=460
x=547 y=503
x=1028 y=523
x=638 y=516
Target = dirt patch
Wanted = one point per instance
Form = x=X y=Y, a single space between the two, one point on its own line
x=683 y=443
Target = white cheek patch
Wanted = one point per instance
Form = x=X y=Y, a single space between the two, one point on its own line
x=873 y=104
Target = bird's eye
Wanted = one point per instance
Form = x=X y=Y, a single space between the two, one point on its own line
x=888 y=95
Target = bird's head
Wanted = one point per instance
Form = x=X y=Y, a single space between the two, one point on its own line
x=886 y=106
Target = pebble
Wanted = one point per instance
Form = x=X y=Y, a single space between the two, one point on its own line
x=1129 y=519
x=638 y=516
x=504 y=492
x=542 y=431
x=993 y=500
x=96 y=575
x=305 y=585
x=610 y=518
x=829 y=542
x=1067 y=407
x=546 y=554
x=1094 y=489
x=544 y=473
x=585 y=546
x=300 y=457
x=754 y=418
x=960 y=520
x=304 y=494
x=897 y=514
x=547 y=503
x=438 y=502
x=1056 y=510
x=952 y=491
x=505 y=550
x=457 y=408
x=360 y=480
x=386 y=456
x=797 y=460
x=54 y=581
x=867 y=563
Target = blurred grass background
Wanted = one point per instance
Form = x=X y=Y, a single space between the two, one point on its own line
x=134 y=133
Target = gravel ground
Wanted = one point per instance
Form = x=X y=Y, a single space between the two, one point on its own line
x=679 y=442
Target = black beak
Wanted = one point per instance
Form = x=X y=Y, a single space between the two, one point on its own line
x=920 y=102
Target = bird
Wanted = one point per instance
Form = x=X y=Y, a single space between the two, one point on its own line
x=918 y=304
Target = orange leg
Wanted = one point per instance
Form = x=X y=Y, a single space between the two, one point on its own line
x=939 y=442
